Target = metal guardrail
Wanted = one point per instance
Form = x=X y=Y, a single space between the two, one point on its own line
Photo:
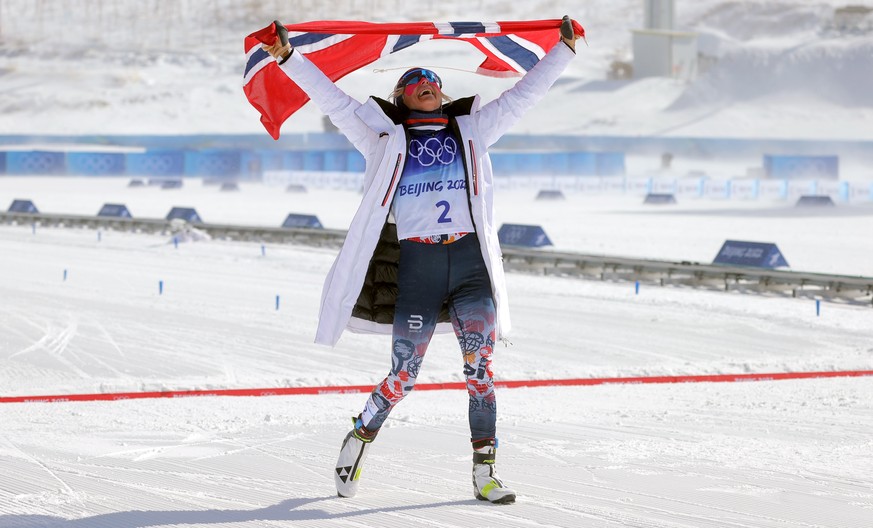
x=281 y=235
x=844 y=288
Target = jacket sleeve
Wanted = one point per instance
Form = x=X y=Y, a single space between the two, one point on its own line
x=497 y=117
x=332 y=101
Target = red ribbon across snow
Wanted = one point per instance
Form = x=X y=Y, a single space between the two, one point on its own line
x=459 y=385
x=341 y=47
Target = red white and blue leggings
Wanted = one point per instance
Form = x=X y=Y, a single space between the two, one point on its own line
x=429 y=275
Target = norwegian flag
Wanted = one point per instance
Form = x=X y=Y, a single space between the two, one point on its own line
x=340 y=47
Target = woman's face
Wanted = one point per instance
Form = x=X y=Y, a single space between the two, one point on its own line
x=421 y=89
x=424 y=96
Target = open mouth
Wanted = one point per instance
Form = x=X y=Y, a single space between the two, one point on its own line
x=426 y=92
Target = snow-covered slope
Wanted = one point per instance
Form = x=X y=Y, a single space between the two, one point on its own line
x=777 y=69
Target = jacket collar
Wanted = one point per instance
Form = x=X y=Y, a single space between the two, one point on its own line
x=463 y=106
x=383 y=116
x=375 y=115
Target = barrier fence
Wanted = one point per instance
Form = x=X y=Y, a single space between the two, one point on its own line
x=699 y=187
x=677 y=146
x=842 y=288
x=328 y=163
x=252 y=164
x=681 y=188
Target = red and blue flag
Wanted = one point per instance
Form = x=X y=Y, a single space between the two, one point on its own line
x=340 y=47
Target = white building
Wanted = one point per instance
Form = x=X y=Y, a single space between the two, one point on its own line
x=659 y=50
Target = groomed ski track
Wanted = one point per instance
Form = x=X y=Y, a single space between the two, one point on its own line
x=633 y=455
x=779 y=453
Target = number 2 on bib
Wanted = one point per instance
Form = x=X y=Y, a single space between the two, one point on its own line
x=444 y=217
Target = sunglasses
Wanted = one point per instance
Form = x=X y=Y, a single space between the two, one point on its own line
x=415 y=76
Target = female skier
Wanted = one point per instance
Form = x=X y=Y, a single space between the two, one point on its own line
x=422 y=253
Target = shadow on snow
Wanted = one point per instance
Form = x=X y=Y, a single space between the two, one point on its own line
x=288 y=510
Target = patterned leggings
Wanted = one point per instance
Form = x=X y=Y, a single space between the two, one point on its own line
x=429 y=275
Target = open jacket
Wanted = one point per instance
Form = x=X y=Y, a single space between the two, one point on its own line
x=360 y=289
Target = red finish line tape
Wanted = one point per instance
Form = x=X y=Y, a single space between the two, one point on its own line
x=357 y=389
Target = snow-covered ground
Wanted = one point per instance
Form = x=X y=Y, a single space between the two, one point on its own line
x=780 y=453
x=742 y=455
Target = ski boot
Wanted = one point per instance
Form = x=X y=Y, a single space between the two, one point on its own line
x=486 y=484
x=351 y=459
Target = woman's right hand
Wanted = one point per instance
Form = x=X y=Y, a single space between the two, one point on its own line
x=277 y=50
x=280 y=49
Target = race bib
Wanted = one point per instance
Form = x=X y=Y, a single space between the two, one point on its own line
x=431 y=198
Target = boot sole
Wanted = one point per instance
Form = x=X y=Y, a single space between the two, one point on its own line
x=506 y=499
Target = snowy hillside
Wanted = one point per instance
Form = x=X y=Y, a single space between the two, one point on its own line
x=773 y=69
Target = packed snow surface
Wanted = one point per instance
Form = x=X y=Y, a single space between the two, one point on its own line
x=763 y=454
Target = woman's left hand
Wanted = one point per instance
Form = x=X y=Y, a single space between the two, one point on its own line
x=567 y=33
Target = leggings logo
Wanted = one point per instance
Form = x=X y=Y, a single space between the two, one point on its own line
x=415 y=322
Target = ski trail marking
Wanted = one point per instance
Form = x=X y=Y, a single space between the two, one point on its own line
x=48 y=470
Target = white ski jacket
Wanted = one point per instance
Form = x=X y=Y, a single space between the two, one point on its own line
x=375 y=128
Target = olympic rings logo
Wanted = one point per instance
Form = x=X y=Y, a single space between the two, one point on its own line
x=432 y=151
